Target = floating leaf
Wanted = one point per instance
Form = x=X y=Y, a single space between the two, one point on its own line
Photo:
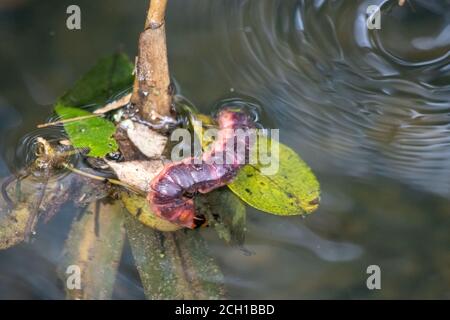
x=292 y=190
x=226 y=213
x=95 y=245
x=109 y=76
x=138 y=207
x=174 y=265
x=93 y=133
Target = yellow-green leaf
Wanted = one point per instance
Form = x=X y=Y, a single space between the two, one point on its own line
x=138 y=207
x=292 y=190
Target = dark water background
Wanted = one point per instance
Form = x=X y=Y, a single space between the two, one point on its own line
x=369 y=111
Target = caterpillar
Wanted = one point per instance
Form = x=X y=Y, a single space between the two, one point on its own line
x=172 y=190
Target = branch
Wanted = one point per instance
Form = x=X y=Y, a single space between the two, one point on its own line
x=156 y=13
x=151 y=90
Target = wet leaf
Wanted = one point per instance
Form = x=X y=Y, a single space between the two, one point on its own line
x=175 y=265
x=138 y=207
x=31 y=199
x=109 y=76
x=292 y=190
x=197 y=123
x=13 y=226
x=226 y=213
x=148 y=141
x=137 y=173
x=94 y=133
x=95 y=245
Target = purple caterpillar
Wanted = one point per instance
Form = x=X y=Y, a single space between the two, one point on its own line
x=171 y=191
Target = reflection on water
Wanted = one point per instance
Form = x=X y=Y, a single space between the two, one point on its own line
x=291 y=233
x=369 y=110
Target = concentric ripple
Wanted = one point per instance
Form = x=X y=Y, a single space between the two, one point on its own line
x=25 y=153
x=368 y=102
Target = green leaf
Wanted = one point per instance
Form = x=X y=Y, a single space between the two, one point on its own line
x=292 y=190
x=94 y=133
x=226 y=213
x=109 y=76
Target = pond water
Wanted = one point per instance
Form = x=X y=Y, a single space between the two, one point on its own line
x=368 y=110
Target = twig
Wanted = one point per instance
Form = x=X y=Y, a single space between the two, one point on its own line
x=60 y=122
x=114 y=105
x=98 y=178
x=151 y=90
x=156 y=13
x=34 y=214
x=117 y=104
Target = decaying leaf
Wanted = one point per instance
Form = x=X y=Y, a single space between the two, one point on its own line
x=175 y=265
x=94 y=245
x=126 y=147
x=31 y=199
x=138 y=207
x=137 y=173
x=292 y=190
x=148 y=141
x=13 y=226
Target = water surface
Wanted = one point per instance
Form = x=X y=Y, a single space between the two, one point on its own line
x=368 y=110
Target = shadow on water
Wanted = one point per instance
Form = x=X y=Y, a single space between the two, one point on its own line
x=369 y=110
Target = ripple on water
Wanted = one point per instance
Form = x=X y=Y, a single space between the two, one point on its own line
x=25 y=151
x=370 y=101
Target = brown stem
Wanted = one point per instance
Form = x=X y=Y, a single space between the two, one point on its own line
x=151 y=90
x=156 y=13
